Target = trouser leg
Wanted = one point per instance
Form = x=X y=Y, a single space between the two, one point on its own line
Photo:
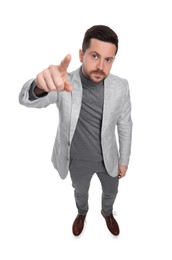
x=81 y=173
x=109 y=190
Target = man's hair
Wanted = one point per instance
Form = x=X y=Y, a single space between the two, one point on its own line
x=102 y=33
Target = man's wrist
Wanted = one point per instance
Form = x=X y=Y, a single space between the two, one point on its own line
x=35 y=92
x=39 y=92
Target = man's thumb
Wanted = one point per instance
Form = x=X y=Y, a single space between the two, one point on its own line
x=68 y=87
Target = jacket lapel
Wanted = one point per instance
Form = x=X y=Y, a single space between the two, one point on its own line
x=76 y=102
x=107 y=98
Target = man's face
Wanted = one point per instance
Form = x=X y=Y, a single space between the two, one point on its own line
x=97 y=60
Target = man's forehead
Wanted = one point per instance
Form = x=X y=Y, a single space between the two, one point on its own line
x=106 y=49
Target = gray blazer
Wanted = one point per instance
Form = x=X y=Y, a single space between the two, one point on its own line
x=116 y=115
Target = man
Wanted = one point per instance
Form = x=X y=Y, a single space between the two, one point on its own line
x=92 y=103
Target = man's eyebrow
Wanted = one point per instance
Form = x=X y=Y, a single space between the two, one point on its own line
x=95 y=52
x=98 y=54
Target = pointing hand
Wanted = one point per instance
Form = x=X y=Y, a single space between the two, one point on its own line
x=54 y=78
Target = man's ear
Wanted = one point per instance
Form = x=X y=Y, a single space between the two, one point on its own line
x=81 y=54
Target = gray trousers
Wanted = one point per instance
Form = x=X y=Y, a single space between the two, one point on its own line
x=81 y=173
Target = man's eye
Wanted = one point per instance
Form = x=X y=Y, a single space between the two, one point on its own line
x=109 y=60
x=94 y=56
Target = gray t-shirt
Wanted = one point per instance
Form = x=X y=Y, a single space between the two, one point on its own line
x=86 y=142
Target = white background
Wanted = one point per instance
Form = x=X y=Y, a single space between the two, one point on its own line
x=37 y=208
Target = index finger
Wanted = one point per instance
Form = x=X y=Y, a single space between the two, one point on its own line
x=64 y=63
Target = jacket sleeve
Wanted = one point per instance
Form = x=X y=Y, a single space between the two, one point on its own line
x=37 y=102
x=124 y=127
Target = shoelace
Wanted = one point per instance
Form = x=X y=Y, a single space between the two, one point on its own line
x=114 y=213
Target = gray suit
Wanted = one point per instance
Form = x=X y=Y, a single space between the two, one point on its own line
x=116 y=112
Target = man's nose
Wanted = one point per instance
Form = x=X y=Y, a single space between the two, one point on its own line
x=100 y=64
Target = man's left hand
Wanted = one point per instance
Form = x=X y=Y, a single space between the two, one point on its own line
x=122 y=169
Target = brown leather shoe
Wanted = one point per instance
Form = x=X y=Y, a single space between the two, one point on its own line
x=111 y=224
x=78 y=224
